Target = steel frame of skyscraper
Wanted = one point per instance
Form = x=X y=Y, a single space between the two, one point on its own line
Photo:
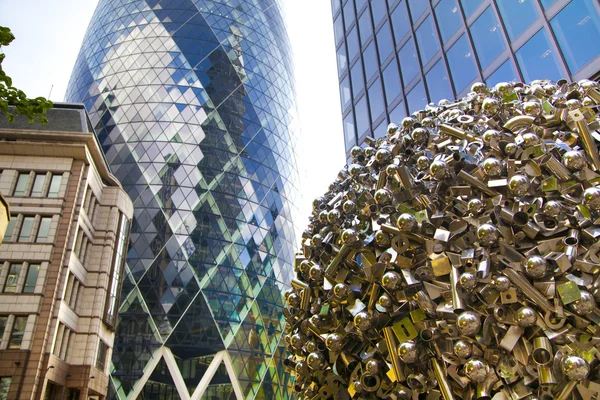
x=193 y=103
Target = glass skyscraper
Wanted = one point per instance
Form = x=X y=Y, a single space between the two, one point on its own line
x=193 y=103
x=395 y=56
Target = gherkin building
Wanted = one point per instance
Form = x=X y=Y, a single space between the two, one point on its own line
x=193 y=104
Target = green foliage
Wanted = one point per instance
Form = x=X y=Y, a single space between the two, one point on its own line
x=32 y=109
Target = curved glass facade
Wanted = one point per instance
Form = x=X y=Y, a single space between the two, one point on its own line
x=441 y=47
x=193 y=104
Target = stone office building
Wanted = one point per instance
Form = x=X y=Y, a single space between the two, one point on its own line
x=61 y=260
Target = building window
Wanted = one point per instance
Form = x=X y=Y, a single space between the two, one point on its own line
x=416 y=98
x=26 y=229
x=3 y=320
x=5 y=382
x=54 y=185
x=398 y=114
x=72 y=291
x=362 y=116
x=38 y=185
x=349 y=132
x=345 y=93
x=16 y=337
x=44 y=230
x=379 y=11
x=33 y=271
x=417 y=8
x=101 y=358
x=110 y=312
x=577 y=30
x=370 y=60
x=462 y=64
x=487 y=38
x=356 y=75
x=537 y=59
x=409 y=63
x=352 y=43
x=348 y=13
x=448 y=17
x=547 y=3
x=469 y=6
x=376 y=106
x=365 y=28
x=10 y=286
x=9 y=228
x=427 y=40
x=342 y=61
x=391 y=82
x=438 y=83
x=517 y=15
x=400 y=21
x=21 y=186
x=63 y=339
x=504 y=73
x=338 y=28
x=385 y=43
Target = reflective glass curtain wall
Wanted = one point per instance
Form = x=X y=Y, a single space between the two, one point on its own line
x=193 y=104
x=426 y=50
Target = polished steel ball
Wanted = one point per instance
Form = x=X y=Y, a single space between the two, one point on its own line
x=383 y=197
x=341 y=290
x=501 y=283
x=573 y=104
x=369 y=151
x=357 y=152
x=362 y=321
x=349 y=207
x=536 y=267
x=584 y=305
x=475 y=206
x=384 y=301
x=408 y=352
x=476 y=369
x=382 y=156
x=310 y=346
x=422 y=163
x=407 y=222
x=467 y=281
x=355 y=170
x=487 y=235
x=503 y=88
x=392 y=129
x=391 y=170
x=428 y=123
x=439 y=169
x=490 y=106
x=382 y=239
x=591 y=198
x=518 y=185
x=491 y=136
x=492 y=167
x=420 y=136
x=349 y=236
x=511 y=149
x=300 y=367
x=526 y=317
x=316 y=240
x=574 y=160
x=323 y=217
x=390 y=280
x=373 y=367
x=575 y=368
x=293 y=300
x=530 y=139
x=462 y=349
x=552 y=208
x=408 y=122
x=297 y=341
x=532 y=108
x=315 y=361
x=334 y=342
x=479 y=88
x=316 y=273
x=333 y=216
x=468 y=323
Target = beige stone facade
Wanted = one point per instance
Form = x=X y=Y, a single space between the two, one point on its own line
x=61 y=260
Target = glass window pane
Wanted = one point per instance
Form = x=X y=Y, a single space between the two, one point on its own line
x=438 y=83
x=385 y=44
x=349 y=133
x=409 y=63
x=358 y=83
x=547 y=3
x=381 y=130
x=365 y=27
x=360 y=4
x=21 y=186
x=54 y=185
x=417 y=8
x=398 y=113
x=33 y=271
x=16 y=336
x=469 y=6
x=352 y=43
x=400 y=21
x=427 y=41
x=10 y=286
x=42 y=236
x=345 y=94
x=577 y=30
x=391 y=82
x=448 y=17
x=342 y=61
x=335 y=6
x=2 y=324
x=362 y=116
x=26 y=229
x=487 y=37
x=517 y=15
x=349 y=13
x=379 y=11
x=9 y=228
x=537 y=60
x=338 y=29
x=370 y=60
x=416 y=98
x=5 y=382
x=462 y=65
x=376 y=105
x=505 y=73
x=38 y=185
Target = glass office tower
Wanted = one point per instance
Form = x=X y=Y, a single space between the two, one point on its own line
x=395 y=56
x=193 y=104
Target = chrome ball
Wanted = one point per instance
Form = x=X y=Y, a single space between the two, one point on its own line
x=369 y=152
x=316 y=273
x=420 y=136
x=310 y=346
x=591 y=198
x=355 y=170
x=390 y=280
x=475 y=206
x=323 y=217
x=575 y=368
x=293 y=300
x=362 y=321
x=492 y=167
x=341 y=290
x=479 y=88
x=408 y=122
x=467 y=281
x=488 y=235
x=334 y=342
x=536 y=267
x=503 y=88
x=408 y=352
x=552 y=208
x=530 y=139
x=391 y=169
x=511 y=149
x=526 y=317
x=382 y=239
x=574 y=160
x=333 y=216
x=384 y=301
x=476 y=369
x=462 y=349
x=584 y=305
x=315 y=361
x=349 y=207
x=392 y=129
x=468 y=323
x=357 y=152
x=501 y=283
x=490 y=106
x=439 y=169
x=491 y=136
x=428 y=123
x=373 y=367
x=316 y=240
x=422 y=163
x=532 y=108
x=383 y=197
x=382 y=156
x=407 y=222
x=518 y=185
x=297 y=341
x=349 y=237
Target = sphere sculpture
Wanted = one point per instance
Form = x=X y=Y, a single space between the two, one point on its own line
x=459 y=255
